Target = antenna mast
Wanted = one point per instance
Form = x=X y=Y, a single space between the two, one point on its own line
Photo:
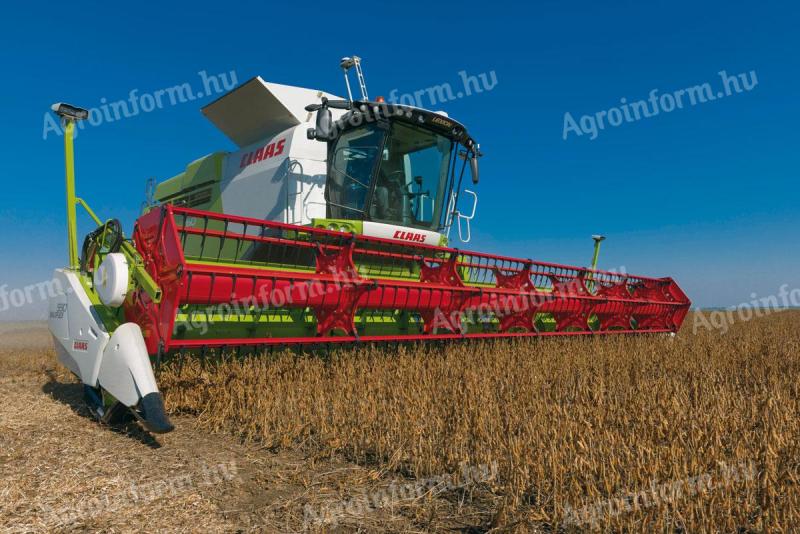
x=347 y=63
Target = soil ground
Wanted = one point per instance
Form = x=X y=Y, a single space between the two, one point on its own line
x=60 y=471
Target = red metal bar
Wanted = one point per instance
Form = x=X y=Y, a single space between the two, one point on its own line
x=189 y=344
x=211 y=284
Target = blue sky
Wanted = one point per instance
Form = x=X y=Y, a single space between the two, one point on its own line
x=707 y=194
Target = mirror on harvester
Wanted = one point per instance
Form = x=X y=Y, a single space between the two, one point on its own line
x=324 y=121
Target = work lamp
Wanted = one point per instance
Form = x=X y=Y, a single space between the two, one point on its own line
x=66 y=111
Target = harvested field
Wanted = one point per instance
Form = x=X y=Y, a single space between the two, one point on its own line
x=693 y=434
x=62 y=472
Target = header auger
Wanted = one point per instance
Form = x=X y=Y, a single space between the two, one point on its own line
x=326 y=235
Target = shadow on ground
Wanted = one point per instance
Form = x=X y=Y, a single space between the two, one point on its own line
x=71 y=394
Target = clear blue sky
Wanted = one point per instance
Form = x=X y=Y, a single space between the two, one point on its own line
x=707 y=194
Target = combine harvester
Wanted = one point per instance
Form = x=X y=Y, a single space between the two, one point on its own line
x=333 y=234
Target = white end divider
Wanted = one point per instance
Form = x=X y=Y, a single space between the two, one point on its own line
x=117 y=362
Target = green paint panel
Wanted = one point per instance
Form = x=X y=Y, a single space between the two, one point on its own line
x=197 y=187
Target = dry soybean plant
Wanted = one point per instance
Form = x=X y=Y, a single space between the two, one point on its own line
x=692 y=433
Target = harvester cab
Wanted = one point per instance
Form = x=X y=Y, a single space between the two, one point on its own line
x=327 y=225
x=395 y=169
